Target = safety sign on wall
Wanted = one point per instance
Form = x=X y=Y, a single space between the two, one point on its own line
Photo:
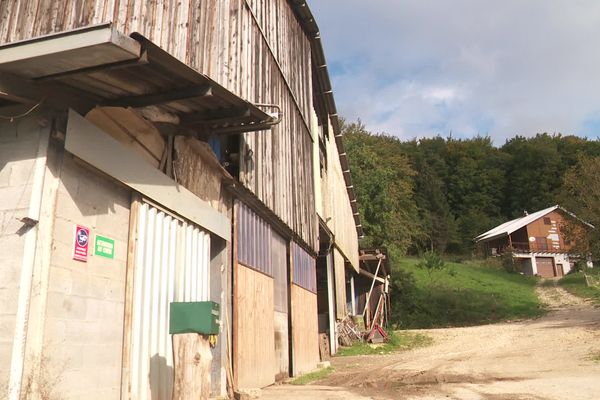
x=81 y=243
x=104 y=247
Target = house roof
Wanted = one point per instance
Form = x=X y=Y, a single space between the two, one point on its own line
x=509 y=227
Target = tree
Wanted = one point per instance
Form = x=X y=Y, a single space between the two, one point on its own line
x=383 y=179
x=581 y=195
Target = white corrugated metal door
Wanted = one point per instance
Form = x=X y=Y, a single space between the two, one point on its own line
x=172 y=262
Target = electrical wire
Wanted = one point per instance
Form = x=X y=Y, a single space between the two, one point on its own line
x=12 y=118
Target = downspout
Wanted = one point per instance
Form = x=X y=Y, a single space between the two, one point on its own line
x=27 y=265
x=331 y=304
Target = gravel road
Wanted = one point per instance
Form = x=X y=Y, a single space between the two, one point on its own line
x=549 y=358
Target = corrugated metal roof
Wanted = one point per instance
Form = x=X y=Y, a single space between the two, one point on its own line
x=108 y=68
x=511 y=226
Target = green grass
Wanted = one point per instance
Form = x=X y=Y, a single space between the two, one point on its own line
x=464 y=294
x=399 y=341
x=575 y=284
x=312 y=376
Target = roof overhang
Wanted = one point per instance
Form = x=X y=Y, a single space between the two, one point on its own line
x=99 y=66
x=371 y=258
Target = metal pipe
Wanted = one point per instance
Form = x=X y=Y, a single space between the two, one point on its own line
x=331 y=306
x=27 y=265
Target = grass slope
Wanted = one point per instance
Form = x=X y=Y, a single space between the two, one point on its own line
x=575 y=284
x=399 y=341
x=462 y=295
x=312 y=376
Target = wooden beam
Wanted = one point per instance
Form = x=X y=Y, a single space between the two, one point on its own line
x=19 y=90
x=222 y=115
x=145 y=100
x=370 y=275
x=168 y=129
x=54 y=95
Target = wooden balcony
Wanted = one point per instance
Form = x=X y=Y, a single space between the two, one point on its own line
x=535 y=247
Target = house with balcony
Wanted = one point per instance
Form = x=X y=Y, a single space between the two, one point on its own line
x=538 y=241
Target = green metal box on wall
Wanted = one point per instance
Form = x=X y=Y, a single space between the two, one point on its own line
x=195 y=317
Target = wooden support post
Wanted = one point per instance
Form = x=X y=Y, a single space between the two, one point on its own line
x=192 y=361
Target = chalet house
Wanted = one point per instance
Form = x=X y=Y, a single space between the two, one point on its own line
x=537 y=242
x=158 y=152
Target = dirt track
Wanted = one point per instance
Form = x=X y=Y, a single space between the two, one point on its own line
x=543 y=359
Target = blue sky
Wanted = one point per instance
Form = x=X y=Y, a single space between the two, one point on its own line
x=415 y=68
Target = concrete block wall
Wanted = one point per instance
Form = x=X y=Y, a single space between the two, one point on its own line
x=19 y=143
x=83 y=335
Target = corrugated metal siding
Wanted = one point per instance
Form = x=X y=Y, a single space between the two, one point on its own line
x=305 y=273
x=254 y=240
x=172 y=264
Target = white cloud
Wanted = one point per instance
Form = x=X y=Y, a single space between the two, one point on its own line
x=414 y=68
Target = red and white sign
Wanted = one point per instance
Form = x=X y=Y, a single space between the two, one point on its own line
x=81 y=243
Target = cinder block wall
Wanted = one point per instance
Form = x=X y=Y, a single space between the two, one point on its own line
x=19 y=143
x=84 y=319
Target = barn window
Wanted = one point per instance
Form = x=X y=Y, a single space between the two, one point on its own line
x=254 y=240
x=547 y=221
x=305 y=272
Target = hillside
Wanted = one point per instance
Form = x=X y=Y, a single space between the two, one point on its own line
x=439 y=193
x=463 y=294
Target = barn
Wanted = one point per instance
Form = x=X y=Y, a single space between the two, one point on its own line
x=159 y=152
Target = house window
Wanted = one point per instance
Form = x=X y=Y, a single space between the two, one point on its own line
x=541 y=244
x=547 y=221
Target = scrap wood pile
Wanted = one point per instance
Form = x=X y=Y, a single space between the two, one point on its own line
x=371 y=331
x=348 y=331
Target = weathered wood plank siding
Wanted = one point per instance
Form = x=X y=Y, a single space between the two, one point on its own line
x=305 y=330
x=335 y=207
x=255 y=48
x=254 y=359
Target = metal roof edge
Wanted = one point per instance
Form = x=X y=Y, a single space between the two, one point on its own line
x=310 y=27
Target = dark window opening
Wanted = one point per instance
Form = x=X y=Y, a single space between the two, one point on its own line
x=230 y=150
x=322 y=158
x=547 y=221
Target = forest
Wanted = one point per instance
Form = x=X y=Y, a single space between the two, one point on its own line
x=437 y=194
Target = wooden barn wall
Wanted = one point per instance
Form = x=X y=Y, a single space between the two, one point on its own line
x=254 y=358
x=336 y=209
x=305 y=330
x=256 y=48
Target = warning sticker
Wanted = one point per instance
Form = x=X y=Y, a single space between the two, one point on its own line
x=81 y=243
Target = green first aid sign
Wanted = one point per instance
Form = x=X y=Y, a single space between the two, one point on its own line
x=104 y=247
